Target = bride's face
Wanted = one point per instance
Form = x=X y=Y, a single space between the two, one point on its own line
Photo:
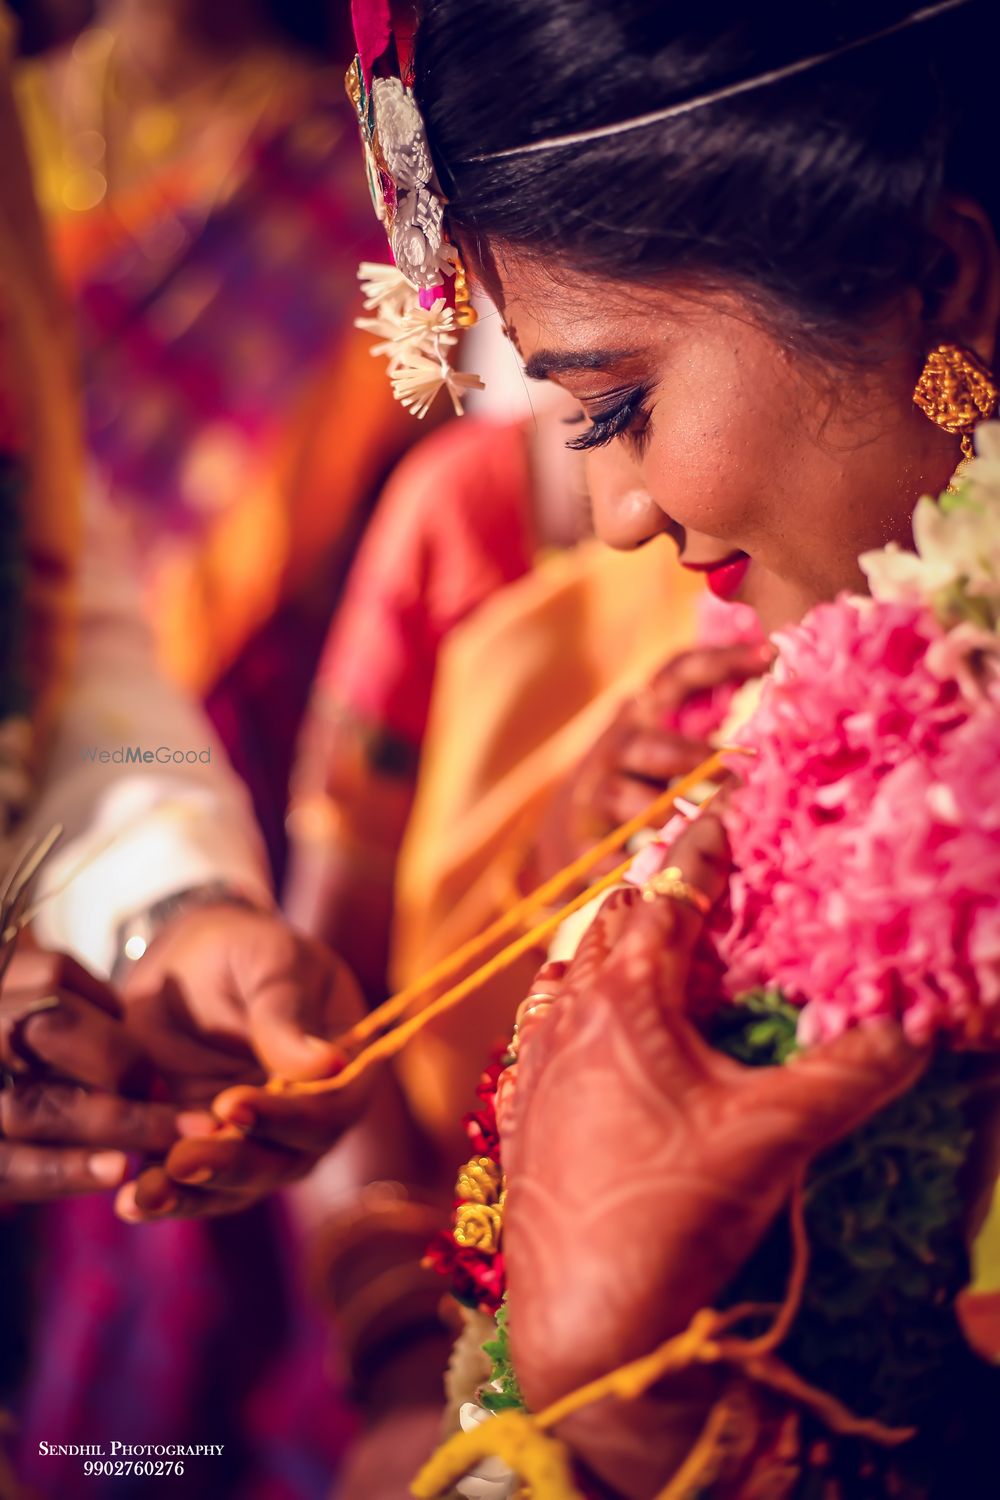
x=771 y=471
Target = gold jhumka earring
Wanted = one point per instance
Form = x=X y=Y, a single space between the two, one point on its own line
x=955 y=391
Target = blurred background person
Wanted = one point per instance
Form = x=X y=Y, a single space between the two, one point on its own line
x=198 y=168
x=150 y=1328
x=497 y=691
x=466 y=514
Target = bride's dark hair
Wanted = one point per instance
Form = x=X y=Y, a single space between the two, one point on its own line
x=816 y=192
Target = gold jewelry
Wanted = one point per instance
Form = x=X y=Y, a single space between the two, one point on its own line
x=955 y=391
x=538 y=997
x=534 y=1005
x=465 y=314
x=670 y=882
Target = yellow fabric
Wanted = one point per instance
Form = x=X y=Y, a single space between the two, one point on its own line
x=385 y=1031
x=523 y=689
x=986 y=1251
x=39 y=376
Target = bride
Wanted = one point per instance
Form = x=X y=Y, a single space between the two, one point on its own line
x=759 y=246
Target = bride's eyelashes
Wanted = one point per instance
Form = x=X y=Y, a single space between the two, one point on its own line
x=627 y=415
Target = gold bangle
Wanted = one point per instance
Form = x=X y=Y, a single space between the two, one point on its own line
x=671 y=883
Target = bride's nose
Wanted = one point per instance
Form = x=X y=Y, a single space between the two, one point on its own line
x=625 y=516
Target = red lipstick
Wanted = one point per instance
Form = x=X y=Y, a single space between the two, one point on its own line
x=725 y=576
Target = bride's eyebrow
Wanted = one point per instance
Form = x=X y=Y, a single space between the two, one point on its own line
x=546 y=362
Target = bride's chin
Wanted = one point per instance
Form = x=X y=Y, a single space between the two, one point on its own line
x=775 y=601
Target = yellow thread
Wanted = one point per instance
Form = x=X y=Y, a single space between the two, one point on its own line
x=702 y=1465
x=543 y=1462
x=699 y=1343
x=393 y=1041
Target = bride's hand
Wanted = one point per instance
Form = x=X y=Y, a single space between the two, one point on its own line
x=639 y=754
x=642 y=1165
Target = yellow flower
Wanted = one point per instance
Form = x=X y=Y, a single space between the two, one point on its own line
x=479 y=1181
x=477 y=1226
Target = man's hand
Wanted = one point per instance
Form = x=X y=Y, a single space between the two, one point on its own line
x=223 y=997
x=69 y=1106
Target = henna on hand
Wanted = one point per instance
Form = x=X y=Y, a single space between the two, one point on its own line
x=643 y=1166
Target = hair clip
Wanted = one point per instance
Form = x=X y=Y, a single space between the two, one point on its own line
x=418 y=304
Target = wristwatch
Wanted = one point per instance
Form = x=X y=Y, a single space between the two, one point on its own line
x=137 y=931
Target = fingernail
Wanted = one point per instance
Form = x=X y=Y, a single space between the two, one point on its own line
x=196 y=1176
x=196 y=1124
x=166 y=1207
x=766 y=652
x=240 y=1114
x=125 y=1204
x=108 y=1167
x=317 y=1042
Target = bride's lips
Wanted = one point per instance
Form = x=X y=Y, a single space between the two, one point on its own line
x=724 y=576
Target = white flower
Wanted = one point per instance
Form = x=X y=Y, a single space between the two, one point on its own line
x=428 y=328
x=401 y=133
x=955 y=567
x=469 y=1365
x=981 y=475
x=388 y=326
x=896 y=575
x=416 y=381
x=491 y=1479
x=385 y=288
x=744 y=705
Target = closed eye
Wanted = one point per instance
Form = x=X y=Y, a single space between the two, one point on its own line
x=629 y=415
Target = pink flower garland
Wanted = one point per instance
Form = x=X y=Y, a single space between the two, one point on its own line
x=866 y=837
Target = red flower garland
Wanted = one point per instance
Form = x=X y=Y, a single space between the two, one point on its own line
x=476 y=1276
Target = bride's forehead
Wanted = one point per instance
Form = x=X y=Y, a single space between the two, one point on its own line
x=575 y=320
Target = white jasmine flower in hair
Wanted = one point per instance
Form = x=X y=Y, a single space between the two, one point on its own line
x=401 y=133
x=385 y=288
x=391 y=327
x=428 y=328
x=417 y=381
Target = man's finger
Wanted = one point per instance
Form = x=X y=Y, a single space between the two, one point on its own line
x=156 y=1195
x=309 y=1122
x=78 y=1041
x=295 y=993
x=36 y=971
x=37 y=1174
x=234 y=1163
x=41 y=1112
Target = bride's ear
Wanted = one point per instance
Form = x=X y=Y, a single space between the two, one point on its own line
x=962 y=297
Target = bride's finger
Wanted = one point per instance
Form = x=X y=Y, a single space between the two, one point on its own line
x=656 y=939
x=701 y=852
x=591 y=950
x=835 y=1087
x=544 y=992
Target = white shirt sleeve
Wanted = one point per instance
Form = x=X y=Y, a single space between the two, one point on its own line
x=148 y=802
